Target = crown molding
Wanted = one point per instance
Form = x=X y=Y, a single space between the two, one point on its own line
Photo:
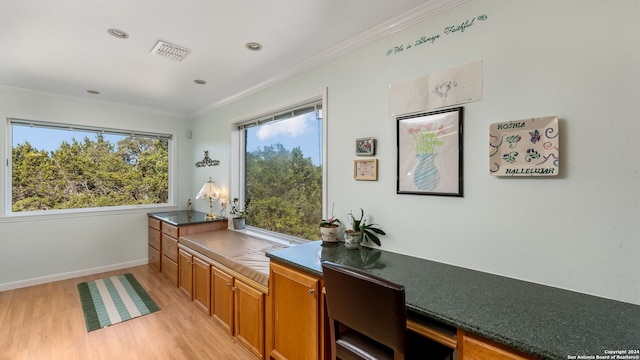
x=4 y=89
x=409 y=18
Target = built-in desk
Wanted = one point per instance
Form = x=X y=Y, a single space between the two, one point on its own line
x=542 y=321
x=224 y=272
x=164 y=230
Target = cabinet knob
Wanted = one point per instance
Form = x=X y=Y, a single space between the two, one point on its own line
x=312 y=291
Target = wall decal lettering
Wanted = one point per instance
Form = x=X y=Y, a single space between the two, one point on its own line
x=430 y=39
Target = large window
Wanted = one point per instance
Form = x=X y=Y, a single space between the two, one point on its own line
x=283 y=159
x=56 y=167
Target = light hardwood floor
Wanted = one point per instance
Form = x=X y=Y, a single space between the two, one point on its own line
x=46 y=322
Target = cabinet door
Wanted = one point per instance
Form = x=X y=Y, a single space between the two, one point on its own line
x=295 y=314
x=185 y=277
x=222 y=290
x=249 y=318
x=202 y=284
x=474 y=348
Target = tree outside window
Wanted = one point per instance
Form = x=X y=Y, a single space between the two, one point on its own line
x=54 y=169
x=283 y=175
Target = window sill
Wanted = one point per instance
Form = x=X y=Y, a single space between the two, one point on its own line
x=77 y=213
x=272 y=236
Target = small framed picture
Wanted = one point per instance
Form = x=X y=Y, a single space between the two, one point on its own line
x=365 y=146
x=365 y=169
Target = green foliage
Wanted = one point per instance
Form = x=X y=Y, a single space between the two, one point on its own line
x=285 y=190
x=330 y=222
x=90 y=173
x=240 y=212
x=367 y=231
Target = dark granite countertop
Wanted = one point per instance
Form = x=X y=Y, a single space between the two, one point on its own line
x=543 y=321
x=182 y=217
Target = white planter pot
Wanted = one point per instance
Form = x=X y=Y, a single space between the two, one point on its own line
x=352 y=240
x=329 y=233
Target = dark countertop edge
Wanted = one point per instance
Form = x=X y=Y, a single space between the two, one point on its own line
x=294 y=264
x=168 y=220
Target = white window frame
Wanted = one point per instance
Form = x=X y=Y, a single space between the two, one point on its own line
x=236 y=169
x=7 y=211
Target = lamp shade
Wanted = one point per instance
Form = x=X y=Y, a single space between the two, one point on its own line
x=209 y=191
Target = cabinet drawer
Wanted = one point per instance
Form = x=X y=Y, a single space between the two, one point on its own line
x=170 y=230
x=154 y=258
x=170 y=247
x=170 y=270
x=154 y=223
x=154 y=238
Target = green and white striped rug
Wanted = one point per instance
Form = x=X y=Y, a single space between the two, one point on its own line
x=112 y=300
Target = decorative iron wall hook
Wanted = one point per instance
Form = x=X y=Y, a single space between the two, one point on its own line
x=207 y=161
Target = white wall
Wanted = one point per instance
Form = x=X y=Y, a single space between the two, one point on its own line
x=574 y=59
x=208 y=135
x=37 y=249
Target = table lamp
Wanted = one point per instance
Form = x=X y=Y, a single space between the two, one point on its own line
x=209 y=192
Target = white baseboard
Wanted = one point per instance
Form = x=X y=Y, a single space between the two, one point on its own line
x=70 y=275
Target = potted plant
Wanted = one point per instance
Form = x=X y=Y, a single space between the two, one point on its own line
x=239 y=213
x=329 y=229
x=361 y=231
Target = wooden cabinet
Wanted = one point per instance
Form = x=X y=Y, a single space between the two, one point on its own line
x=202 y=284
x=240 y=308
x=170 y=271
x=185 y=282
x=170 y=252
x=163 y=243
x=477 y=348
x=295 y=312
x=154 y=243
x=222 y=310
x=249 y=318
x=195 y=279
x=234 y=303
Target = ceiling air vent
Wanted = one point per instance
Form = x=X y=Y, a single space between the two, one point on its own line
x=170 y=51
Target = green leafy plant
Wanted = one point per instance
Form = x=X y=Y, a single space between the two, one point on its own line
x=330 y=222
x=240 y=212
x=367 y=231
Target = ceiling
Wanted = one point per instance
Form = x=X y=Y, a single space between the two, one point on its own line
x=63 y=46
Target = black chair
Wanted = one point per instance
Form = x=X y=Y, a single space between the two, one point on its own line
x=368 y=318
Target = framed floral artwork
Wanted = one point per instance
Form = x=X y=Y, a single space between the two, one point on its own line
x=365 y=146
x=430 y=153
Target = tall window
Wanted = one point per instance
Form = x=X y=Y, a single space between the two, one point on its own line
x=283 y=171
x=57 y=167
